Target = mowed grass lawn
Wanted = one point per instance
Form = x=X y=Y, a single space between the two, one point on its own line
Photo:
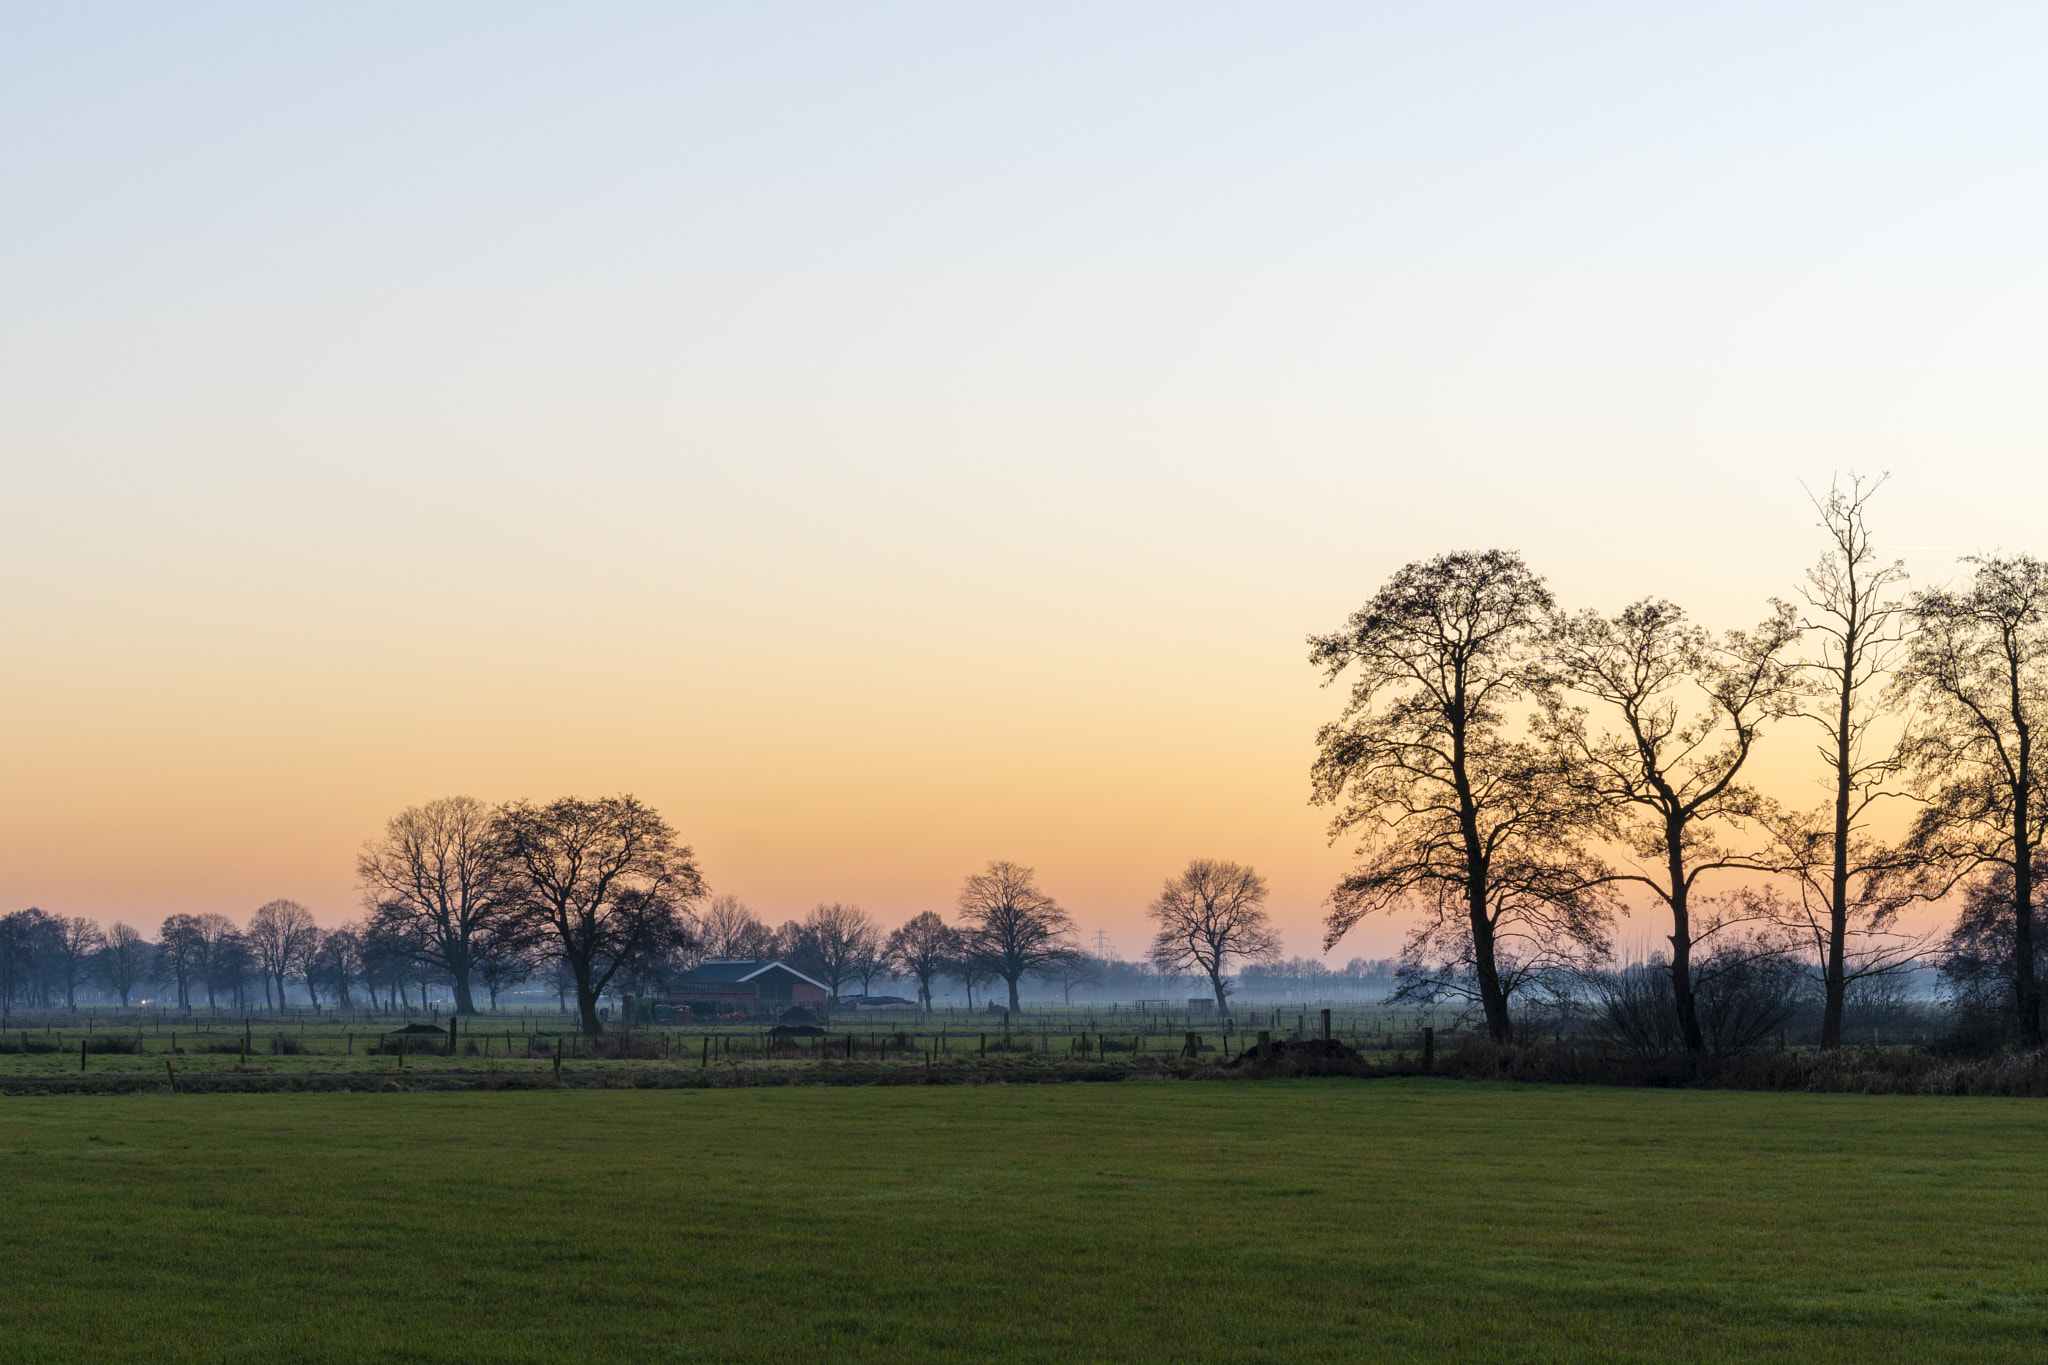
x=1283 y=1221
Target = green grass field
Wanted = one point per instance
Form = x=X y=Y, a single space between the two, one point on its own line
x=1278 y=1221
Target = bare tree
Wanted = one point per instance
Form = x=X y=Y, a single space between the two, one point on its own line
x=1210 y=915
x=869 y=960
x=830 y=943
x=502 y=963
x=1686 y=712
x=605 y=880
x=181 y=949
x=74 y=946
x=124 y=960
x=920 y=949
x=1467 y=828
x=970 y=969
x=281 y=933
x=438 y=866
x=1847 y=879
x=19 y=932
x=388 y=952
x=1977 y=669
x=1012 y=926
x=1069 y=972
x=337 y=964
x=728 y=932
x=224 y=956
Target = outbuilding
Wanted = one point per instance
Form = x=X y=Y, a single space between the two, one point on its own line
x=726 y=987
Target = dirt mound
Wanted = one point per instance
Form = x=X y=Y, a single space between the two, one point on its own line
x=796 y=1031
x=1299 y=1050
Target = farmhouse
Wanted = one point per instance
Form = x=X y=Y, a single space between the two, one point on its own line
x=750 y=986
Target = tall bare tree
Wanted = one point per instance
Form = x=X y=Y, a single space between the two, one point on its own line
x=223 y=958
x=604 y=880
x=830 y=944
x=181 y=948
x=74 y=946
x=281 y=933
x=1685 y=712
x=1848 y=880
x=1210 y=915
x=1467 y=828
x=1977 y=672
x=920 y=949
x=438 y=867
x=337 y=964
x=1013 y=927
x=124 y=960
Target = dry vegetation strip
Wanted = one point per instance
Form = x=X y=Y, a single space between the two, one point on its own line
x=1318 y=1220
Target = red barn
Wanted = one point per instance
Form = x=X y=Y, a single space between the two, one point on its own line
x=724 y=987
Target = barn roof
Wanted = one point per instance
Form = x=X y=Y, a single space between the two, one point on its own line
x=741 y=972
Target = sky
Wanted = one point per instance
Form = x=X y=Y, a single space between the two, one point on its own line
x=893 y=437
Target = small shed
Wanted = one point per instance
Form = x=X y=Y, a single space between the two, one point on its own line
x=749 y=986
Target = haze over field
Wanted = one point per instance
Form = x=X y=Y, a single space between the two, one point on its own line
x=891 y=440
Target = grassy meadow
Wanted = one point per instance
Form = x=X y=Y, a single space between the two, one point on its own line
x=1171 y=1221
x=46 y=1046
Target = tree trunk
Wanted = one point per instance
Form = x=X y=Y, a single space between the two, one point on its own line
x=586 y=1000
x=1681 y=951
x=1216 y=984
x=1834 y=979
x=2026 y=989
x=1492 y=999
x=465 y=1002
x=1015 y=1008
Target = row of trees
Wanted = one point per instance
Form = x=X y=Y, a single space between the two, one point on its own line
x=463 y=896
x=455 y=892
x=1210 y=918
x=47 y=959
x=1514 y=772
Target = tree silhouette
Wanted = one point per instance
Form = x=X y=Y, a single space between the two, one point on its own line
x=602 y=880
x=1977 y=672
x=1012 y=928
x=1686 y=711
x=1211 y=914
x=1470 y=830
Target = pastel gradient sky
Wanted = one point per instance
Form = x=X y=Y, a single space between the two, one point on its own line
x=890 y=437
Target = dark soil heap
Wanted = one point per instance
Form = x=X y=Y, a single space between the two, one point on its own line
x=1298 y=1050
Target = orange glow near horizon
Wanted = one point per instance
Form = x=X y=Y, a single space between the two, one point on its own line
x=891 y=442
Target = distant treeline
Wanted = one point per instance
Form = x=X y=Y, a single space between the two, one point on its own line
x=597 y=898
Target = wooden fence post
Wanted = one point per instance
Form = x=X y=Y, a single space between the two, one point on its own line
x=1428 y=1049
x=1326 y=1026
x=1265 y=1046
